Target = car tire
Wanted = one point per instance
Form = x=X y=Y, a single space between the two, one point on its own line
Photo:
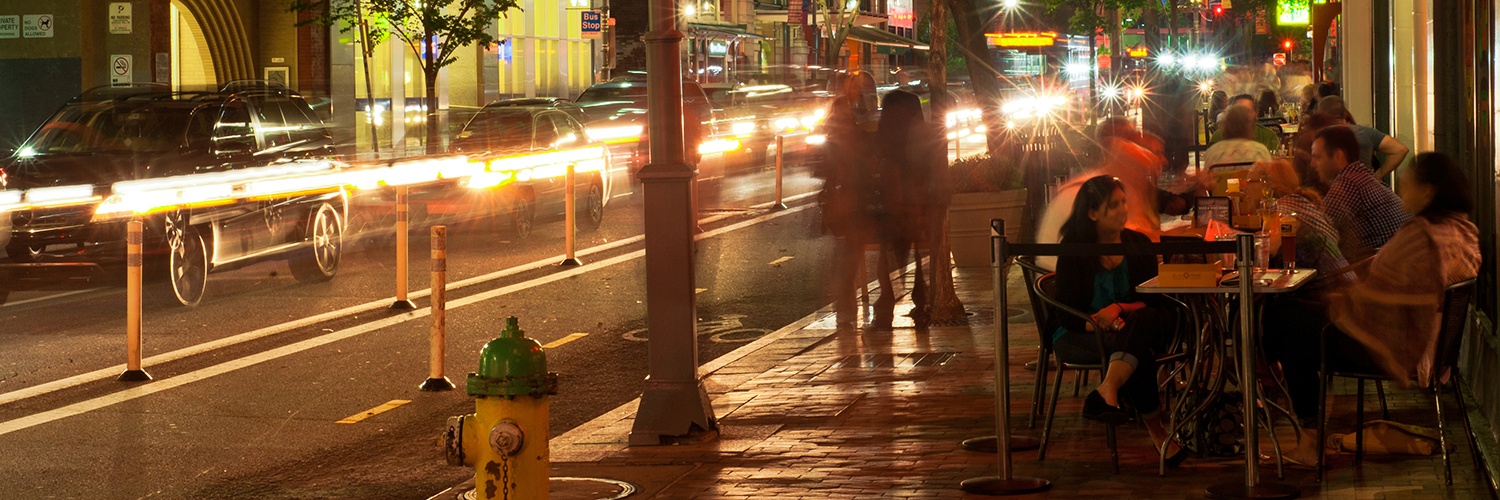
x=522 y=213
x=318 y=258
x=593 y=206
x=187 y=261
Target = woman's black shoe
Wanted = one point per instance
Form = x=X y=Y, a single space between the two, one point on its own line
x=1177 y=459
x=1094 y=408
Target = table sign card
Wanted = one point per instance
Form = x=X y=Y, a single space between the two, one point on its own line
x=1210 y=208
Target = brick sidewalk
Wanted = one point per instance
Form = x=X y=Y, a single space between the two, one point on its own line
x=814 y=413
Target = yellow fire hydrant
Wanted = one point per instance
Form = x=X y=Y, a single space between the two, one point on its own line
x=505 y=439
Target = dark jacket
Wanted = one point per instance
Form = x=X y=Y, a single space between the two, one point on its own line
x=1075 y=282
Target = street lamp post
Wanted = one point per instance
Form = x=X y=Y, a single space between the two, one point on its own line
x=674 y=404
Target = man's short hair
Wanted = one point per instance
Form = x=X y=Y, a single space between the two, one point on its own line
x=1237 y=122
x=1333 y=106
x=1341 y=139
x=1238 y=97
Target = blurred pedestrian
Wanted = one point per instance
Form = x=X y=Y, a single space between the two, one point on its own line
x=844 y=199
x=1365 y=212
x=912 y=168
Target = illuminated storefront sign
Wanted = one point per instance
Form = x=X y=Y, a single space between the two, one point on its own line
x=1045 y=39
x=900 y=14
x=1293 y=12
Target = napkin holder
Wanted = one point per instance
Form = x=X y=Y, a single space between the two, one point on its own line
x=1189 y=275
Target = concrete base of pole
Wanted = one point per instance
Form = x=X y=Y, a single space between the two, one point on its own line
x=777 y=207
x=134 y=376
x=437 y=385
x=999 y=486
x=987 y=444
x=662 y=418
x=570 y=262
x=403 y=305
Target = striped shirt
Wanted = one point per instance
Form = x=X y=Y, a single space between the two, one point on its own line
x=1365 y=212
x=1317 y=239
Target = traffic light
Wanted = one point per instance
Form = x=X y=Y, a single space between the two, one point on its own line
x=1286 y=45
x=1218 y=10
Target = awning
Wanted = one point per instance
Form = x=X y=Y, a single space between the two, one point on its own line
x=881 y=37
x=721 y=31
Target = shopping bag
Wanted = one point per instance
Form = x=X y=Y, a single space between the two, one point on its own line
x=1387 y=437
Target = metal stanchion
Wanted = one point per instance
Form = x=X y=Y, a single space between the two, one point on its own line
x=570 y=220
x=1005 y=483
x=133 y=262
x=435 y=379
x=403 y=303
x=779 y=205
x=1252 y=487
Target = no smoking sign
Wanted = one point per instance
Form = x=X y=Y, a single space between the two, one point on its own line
x=121 y=70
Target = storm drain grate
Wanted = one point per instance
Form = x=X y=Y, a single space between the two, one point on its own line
x=908 y=360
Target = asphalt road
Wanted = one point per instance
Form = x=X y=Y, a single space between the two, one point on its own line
x=249 y=385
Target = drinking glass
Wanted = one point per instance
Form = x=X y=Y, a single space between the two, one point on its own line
x=1262 y=251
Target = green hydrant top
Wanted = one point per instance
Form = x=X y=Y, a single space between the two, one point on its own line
x=512 y=365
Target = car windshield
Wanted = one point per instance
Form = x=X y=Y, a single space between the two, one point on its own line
x=613 y=95
x=497 y=129
x=112 y=128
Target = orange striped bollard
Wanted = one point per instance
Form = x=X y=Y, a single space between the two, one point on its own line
x=403 y=303
x=436 y=381
x=133 y=262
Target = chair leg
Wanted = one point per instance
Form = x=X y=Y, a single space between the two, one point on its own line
x=1114 y=451
x=1437 y=402
x=1463 y=411
x=1359 y=422
x=1385 y=412
x=1039 y=393
x=1041 y=450
x=1322 y=423
x=1079 y=378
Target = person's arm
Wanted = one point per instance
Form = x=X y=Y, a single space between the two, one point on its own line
x=1395 y=152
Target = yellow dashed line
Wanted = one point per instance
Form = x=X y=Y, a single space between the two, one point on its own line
x=697 y=291
x=559 y=342
x=391 y=405
x=778 y=262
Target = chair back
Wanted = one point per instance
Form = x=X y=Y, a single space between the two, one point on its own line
x=1456 y=299
x=1046 y=287
x=1030 y=272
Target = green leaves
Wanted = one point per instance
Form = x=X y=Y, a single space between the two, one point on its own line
x=445 y=25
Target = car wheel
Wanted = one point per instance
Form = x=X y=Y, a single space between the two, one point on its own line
x=593 y=206
x=318 y=259
x=522 y=213
x=187 y=261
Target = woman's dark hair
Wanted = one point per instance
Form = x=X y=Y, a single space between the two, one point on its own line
x=1217 y=102
x=1269 y=104
x=1094 y=193
x=1451 y=194
x=1326 y=89
x=900 y=111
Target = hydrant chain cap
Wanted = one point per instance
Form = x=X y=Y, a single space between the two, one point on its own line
x=512 y=365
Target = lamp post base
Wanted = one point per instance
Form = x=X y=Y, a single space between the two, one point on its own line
x=998 y=486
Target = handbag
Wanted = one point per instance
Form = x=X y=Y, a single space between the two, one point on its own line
x=1387 y=437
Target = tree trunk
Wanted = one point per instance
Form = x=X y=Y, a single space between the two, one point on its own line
x=946 y=307
x=971 y=17
x=1116 y=51
x=434 y=140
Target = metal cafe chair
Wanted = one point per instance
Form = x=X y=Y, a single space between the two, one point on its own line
x=1455 y=314
x=1030 y=273
x=1046 y=288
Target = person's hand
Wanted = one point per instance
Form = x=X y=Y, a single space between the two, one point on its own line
x=1106 y=317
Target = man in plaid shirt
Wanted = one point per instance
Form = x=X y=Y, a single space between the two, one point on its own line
x=1365 y=212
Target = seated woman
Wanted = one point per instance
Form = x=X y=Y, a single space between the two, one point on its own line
x=1393 y=308
x=1134 y=326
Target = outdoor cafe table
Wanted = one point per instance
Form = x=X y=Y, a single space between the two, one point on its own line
x=1262 y=282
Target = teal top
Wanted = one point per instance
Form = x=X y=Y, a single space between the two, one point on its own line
x=1110 y=286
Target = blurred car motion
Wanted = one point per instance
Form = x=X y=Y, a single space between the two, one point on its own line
x=616 y=113
x=524 y=152
x=145 y=137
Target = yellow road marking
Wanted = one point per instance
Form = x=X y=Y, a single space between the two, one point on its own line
x=778 y=262
x=697 y=291
x=356 y=418
x=559 y=342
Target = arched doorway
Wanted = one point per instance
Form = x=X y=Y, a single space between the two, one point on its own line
x=215 y=29
x=192 y=64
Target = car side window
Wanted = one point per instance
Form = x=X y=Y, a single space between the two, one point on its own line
x=273 y=126
x=567 y=134
x=546 y=133
x=234 y=132
x=301 y=127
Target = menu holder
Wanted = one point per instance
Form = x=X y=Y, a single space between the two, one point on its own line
x=1211 y=208
x=1189 y=275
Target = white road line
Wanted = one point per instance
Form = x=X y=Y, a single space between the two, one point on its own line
x=287 y=350
x=112 y=371
x=48 y=297
x=778 y=262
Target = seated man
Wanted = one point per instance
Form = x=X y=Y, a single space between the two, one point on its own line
x=1365 y=212
x=1266 y=137
x=1371 y=141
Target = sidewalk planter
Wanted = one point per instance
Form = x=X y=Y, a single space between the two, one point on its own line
x=969 y=217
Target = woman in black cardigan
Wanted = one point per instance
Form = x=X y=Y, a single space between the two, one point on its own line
x=1134 y=327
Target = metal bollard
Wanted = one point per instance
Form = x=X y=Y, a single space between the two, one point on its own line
x=403 y=303
x=779 y=205
x=570 y=219
x=133 y=262
x=437 y=339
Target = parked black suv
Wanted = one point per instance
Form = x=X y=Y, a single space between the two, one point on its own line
x=113 y=138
